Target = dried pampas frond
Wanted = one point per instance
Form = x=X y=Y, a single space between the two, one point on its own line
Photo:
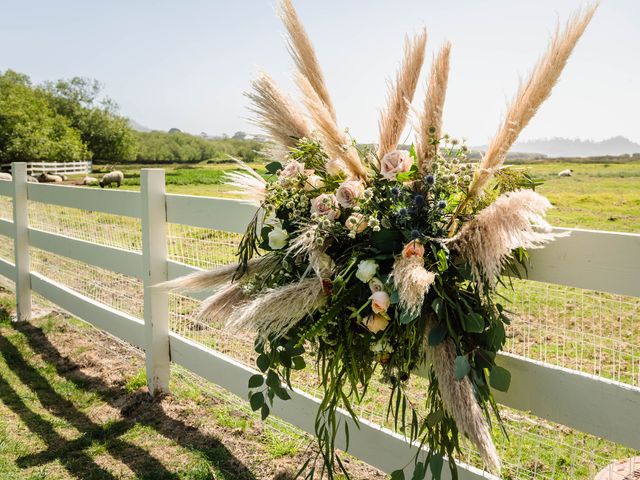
x=276 y=311
x=394 y=116
x=515 y=219
x=430 y=124
x=334 y=140
x=304 y=55
x=249 y=187
x=460 y=401
x=276 y=112
x=210 y=279
x=530 y=96
x=412 y=281
x=222 y=304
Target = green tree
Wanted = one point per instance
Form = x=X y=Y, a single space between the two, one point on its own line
x=106 y=134
x=30 y=129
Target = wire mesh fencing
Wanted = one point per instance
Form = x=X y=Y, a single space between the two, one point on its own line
x=588 y=331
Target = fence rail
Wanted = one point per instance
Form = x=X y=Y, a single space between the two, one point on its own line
x=603 y=261
x=59 y=167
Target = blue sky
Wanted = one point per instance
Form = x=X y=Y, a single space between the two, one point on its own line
x=185 y=64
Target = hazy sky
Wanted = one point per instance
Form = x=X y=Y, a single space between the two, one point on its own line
x=186 y=63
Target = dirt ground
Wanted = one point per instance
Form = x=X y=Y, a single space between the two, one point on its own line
x=73 y=405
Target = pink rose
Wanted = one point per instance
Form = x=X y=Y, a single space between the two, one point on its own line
x=398 y=161
x=356 y=223
x=376 y=323
x=326 y=205
x=349 y=192
x=413 y=249
x=380 y=301
x=291 y=172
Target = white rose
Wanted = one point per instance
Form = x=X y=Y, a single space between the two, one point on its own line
x=398 y=161
x=335 y=167
x=313 y=182
x=366 y=270
x=278 y=238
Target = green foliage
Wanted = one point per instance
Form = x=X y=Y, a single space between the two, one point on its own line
x=30 y=129
x=107 y=135
x=176 y=146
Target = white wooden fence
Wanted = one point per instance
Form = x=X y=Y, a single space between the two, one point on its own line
x=602 y=261
x=59 y=167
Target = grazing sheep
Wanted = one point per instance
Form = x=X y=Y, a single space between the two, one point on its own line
x=116 y=177
x=89 y=181
x=31 y=179
x=566 y=173
x=45 y=177
x=5 y=176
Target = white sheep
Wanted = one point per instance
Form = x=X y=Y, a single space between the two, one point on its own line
x=5 y=176
x=31 y=179
x=89 y=181
x=116 y=177
x=566 y=173
x=45 y=177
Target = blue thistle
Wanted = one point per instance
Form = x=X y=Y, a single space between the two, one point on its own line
x=430 y=179
x=442 y=204
x=419 y=201
x=415 y=234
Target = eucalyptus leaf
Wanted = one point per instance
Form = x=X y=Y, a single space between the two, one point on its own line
x=462 y=367
x=407 y=317
x=273 y=167
x=473 y=322
x=256 y=401
x=263 y=362
x=397 y=475
x=500 y=378
x=437 y=335
x=435 y=464
x=256 y=381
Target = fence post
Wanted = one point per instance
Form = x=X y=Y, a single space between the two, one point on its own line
x=156 y=302
x=21 y=241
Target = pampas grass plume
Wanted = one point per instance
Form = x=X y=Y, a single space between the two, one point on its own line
x=412 y=281
x=394 y=116
x=531 y=95
x=515 y=219
x=430 y=123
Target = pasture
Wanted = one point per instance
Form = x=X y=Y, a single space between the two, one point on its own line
x=583 y=330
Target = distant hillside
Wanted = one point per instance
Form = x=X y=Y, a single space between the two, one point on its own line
x=137 y=126
x=566 y=147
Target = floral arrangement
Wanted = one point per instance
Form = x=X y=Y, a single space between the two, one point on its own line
x=376 y=261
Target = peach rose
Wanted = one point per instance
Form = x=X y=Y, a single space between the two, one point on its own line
x=398 y=161
x=356 y=223
x=326 y=205
x=349 y=192
x=413 y=249
x=375 y=323
x=380 y=302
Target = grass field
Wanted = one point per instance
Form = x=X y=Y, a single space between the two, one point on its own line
x=588 y=331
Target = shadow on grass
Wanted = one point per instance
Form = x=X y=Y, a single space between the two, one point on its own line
x=137 y=409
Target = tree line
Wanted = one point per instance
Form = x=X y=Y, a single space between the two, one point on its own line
x=69 y=120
